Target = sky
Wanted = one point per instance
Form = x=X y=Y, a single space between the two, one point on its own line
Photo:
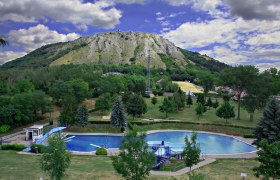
x=235 y=32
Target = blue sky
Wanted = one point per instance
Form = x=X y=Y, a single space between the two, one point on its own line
x=232 y=31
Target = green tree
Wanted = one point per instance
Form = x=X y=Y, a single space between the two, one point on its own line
x=23 y=86
x=216 y=104
x=3 y=42
x=154 y=100
x=189 y=100
x=250 y=103
x=167 y=106
x=55 y=160
x=179 y=100
x=103 y=103
x=207 y=82
x=209 y=102
x=239 y=78
x=42 y=102
x=269 y=157
x=191 y=152
x=200 y=99
x=118 y=116
x=226 y=111
x=269 y=126
x=3 y=87
x=136 y=105
x=81 y=118
x=135 y=160
x=200 y=110
x=69 y=110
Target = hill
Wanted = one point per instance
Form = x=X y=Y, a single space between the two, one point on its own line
x=115 y=48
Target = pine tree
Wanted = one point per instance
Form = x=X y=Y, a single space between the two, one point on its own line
x=215 y=104
x=200 y=109
x=118 y=116
x=189 y=100
x=82 y=116
x=226 y=111
x=269 y=126
x=209 y=102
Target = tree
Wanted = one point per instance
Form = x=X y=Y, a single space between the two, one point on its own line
x=200 y=99
x=207 y=82
x=81 y=118
x=215 y=104
x=239 y=78
x=269 y=126
x=226 y=111
x=191 y=152
x=23 y=86
x=154 y=100
x=250 y=103
x=167 y=106
x=179 y=100
x=136 y=105
x=269 y=157
x=209 y=103
x=135 y=160
x=42 y=102
x=3 y=42
x=103 y=103
x=118 y=116
x=189 y=100
x=69 y=110
x=200 y=109
x=55 y=160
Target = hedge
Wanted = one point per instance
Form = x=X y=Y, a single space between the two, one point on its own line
x=15 y=147
x=99 y=122
x=101 y=151
x=41 y=148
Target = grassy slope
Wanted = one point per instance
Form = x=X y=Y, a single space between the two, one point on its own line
x=87 y=167
x=187 y=86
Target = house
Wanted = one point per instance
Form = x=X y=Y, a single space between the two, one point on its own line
x=33 y=133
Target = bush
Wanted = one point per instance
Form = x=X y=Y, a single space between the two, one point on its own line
x=101 y=151
x=249 y=136
x=41 y=148
x=4 y=128
x=15 y=147
x=50 y=122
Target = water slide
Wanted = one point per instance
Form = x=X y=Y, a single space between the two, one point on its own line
x=54 y=130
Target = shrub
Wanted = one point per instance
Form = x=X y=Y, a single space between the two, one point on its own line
x=101 y=151
x=15 y=147
x=4 y=128
x=50 y=122
x=249 y=136
x=41 y=148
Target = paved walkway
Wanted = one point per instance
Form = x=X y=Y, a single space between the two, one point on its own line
x=184 y=170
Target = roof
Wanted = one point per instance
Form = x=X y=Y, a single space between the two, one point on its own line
x=36 y=127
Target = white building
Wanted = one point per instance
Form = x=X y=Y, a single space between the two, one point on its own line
x=33 y=133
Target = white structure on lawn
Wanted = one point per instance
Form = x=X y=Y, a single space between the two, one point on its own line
x=34 y=132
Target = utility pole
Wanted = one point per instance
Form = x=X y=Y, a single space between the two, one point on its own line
x=148 y=85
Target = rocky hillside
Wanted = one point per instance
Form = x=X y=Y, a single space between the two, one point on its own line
x=113 y=48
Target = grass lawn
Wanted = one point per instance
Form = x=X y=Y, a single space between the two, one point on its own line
x=15 y=166
x=94 y=128
x=188 y=114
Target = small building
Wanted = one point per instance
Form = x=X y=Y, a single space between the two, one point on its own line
x=33 y=133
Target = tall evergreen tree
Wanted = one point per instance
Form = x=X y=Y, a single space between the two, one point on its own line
x=269 y=126
x=82 y=116
x=189 y=100
x=191 y=152
x=209 y=103
x=226 y=111
x=69 y=110
x=118 y=116
x=200 y=99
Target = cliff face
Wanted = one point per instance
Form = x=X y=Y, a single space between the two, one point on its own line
x=122 y=48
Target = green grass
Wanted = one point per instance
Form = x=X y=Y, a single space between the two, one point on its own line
x=94 y=128
x=189 y=115
x=16 y=166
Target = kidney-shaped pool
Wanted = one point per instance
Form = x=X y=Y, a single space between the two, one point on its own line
x=211 y=144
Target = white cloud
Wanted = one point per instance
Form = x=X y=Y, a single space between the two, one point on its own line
x=10 y=55
x=265 y=66
x=100 y=14
x=130 y=1
x=265 y=39
x=37 y=36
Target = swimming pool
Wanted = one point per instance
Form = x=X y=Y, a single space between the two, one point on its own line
x=211 y=144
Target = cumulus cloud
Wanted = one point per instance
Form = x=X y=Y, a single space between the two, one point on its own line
x=255 y=9
x=37 y=36
x=100 y=13
x=10 y=55
x=265 y=39
x=33 y=38
x=130 y=1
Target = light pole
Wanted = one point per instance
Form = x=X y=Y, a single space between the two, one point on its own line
x=148 y=85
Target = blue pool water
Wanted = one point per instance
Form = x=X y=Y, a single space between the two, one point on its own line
x=209 y=143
